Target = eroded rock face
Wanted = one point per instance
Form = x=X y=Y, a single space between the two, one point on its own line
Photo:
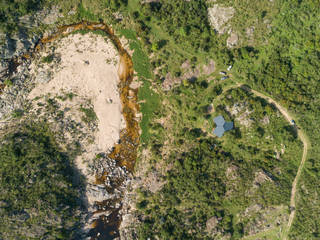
x=261 y=219
x=219 y=17
x=188 y=74
x=232 y=40
x=25 y=38
x=13 y=97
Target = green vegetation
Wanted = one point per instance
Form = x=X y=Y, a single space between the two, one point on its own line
x=278 y=53
x=89 y=114
x=18 y=113
x=208 y=177
x=174 y=31
x=191 y=195
x=48 y=59
x=8 y=82
x=151 y=99
x=11 y=10
x=280 y=59
x=288 y=69
x=38 y=196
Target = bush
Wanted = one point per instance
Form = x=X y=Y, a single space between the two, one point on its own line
x=48 y=59
x=89 y=114
x=8 y=82
x=36 y=185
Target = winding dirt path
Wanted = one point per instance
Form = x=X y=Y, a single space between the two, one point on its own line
x=303 y=139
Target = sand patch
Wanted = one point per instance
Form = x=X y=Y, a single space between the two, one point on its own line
x=88 y=67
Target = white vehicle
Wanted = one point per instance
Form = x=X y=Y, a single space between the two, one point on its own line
x=229 y=68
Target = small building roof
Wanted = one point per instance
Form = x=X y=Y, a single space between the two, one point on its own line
x=228 y=126
x=222 y=126
x=219 y=120
x=219 y=131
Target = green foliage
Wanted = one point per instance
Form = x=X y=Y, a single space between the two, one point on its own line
x=197 y=179
x=17 y=113
x=38 y=196
x=281 y=59
x=288 y=69
x=48 y=59
x=191 y=195
x=11 y=10
x=150 y=98
x=140 y=60
x=8 y=82
x=89 y=114
x=148 y=109
x=85 y=14
x=176 y=31
x=70 y=95
x=155 y=47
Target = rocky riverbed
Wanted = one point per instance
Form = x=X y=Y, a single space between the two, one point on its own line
x=44 y=84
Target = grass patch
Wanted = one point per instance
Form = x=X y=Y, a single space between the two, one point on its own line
x=84 y=13
x=150 y=99
x=48 y=59
x=140 y=60
x=8 y=82
x=148 y=108
x=89 y=114
x=18 y=113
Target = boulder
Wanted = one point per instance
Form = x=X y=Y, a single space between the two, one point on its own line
x=232 y=40
x=219 y=16
x=43 y=77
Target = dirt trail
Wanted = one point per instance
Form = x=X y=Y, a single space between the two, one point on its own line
x=303 y=139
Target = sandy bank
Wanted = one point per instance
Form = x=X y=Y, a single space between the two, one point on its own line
x=88 y=67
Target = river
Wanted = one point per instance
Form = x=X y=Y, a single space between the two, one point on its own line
x=125 y=153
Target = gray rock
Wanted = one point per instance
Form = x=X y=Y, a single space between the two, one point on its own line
x=43 y=77
x=51 y=16
x=232 y=40
x=219 y=17
x=8 y=49
x=99 y=193
x=3 y=67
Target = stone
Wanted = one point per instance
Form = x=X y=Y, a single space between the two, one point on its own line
x=209 y=68
x=51 y=16
x=43 y=77
x=219 y=16
x=8 y=49
x=211 y=224
x=232 y=40
x=3 y=67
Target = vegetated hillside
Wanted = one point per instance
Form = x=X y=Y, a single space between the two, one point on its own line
x=239 y=185
x=39 y=197
x=288 y=69
x=234 y=187
x=279 y=59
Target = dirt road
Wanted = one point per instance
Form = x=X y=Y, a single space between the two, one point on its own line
x=304 y=140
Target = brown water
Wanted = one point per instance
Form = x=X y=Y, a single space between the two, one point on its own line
x=125 y=153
